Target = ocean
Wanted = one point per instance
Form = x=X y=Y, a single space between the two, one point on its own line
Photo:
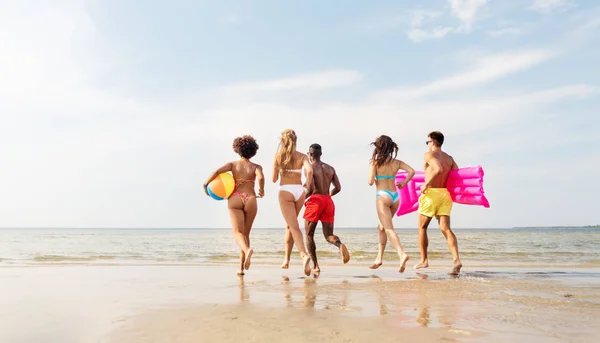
x=547 y=248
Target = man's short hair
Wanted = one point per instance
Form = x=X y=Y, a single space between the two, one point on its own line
x=437 y=137
x=316 y=147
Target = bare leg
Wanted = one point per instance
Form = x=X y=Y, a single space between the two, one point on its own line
x=385 y=211
x=381 y=247
x=290 y=210
x=423 y=241
x=310 y=242
x=335 y=240
x=242 y=258
x=289 y=241
x=250 y=210
x=288 y=245
x=237 y=222
x=444 y=222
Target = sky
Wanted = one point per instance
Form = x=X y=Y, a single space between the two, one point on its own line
x=114 y=113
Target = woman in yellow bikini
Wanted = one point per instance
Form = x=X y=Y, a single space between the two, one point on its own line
x=384 y=167
x=289 y=163
x=242 y=203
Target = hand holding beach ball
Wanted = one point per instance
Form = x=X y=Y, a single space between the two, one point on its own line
x=221 y=187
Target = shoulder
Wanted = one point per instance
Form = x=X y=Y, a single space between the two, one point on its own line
x=329 y=167
x=300 y=156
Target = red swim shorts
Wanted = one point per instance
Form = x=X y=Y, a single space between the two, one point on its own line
x=319 y=207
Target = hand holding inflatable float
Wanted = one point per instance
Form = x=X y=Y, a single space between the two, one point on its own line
x=464 y=184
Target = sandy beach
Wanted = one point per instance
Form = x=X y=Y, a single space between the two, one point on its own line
x=344 y=304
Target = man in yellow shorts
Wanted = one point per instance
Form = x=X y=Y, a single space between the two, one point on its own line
x=435 y=200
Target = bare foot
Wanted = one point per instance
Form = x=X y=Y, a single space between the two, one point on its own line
x=345 y=254
x=247 y=260
x=421 y=265
x=285 y=265
x=316 y=270
x=306 y=261
x=403 y=262
x=240 y=272
x=456 y=268
x=376 y=265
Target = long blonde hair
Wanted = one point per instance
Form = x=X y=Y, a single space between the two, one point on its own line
x=287 y=147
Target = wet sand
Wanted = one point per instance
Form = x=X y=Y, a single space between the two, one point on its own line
x=344 y=304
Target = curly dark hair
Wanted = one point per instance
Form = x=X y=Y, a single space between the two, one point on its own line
x=245 y=146
x=385 y=150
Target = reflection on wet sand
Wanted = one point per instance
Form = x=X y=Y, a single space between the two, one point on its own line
x=313 y=293
x=244 y=293
x=425 y=300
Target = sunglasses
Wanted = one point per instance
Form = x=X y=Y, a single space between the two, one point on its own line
x=427 y=142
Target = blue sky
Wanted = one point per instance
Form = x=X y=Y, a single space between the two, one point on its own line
x=113 y=113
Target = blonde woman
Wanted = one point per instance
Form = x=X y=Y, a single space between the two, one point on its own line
x=384 y=167
x=288 y=164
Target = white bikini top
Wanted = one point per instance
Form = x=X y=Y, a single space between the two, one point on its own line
x=292 y=170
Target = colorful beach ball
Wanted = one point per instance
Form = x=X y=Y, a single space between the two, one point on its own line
x=221 y=186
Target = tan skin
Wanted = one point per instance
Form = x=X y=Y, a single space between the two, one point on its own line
x=324 y=176
x=290 y=208
x=242 y=215
x=386 y=208
x=438 y=165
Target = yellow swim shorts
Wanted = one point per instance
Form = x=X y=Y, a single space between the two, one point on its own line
x=435 y=202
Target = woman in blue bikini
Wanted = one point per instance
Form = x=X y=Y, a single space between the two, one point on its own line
x=242 y=204
x=288 y=164
x=384 y=167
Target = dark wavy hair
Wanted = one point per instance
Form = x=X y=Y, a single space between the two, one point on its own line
x=385 y=150
x=245 y=146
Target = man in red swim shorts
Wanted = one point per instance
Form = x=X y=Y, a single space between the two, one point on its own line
x=320 y=207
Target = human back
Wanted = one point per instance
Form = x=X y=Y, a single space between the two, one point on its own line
x=446 y=164
x=291 y=172
x=384 y=173
x=323 y=175
x=244 y=174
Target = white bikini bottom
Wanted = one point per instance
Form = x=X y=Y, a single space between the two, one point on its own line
x=296 y=190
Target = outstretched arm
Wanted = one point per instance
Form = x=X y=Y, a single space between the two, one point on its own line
x=309 y=171
x=260 y=177
x=275 y=170
x=309 y=190
x=225 y=168
x=454 y=165
x=337 y=187
x=372 y=173
x=435 y=169
x=409 y=170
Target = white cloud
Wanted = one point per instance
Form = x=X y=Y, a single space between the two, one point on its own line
x=420 y=35
x=466 y=10
x=483 y=70
x=547 y=6
x=312 y=81
x=420 y=17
